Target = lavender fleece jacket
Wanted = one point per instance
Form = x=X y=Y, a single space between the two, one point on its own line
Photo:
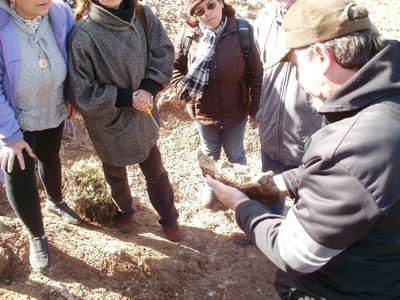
x=61 y=21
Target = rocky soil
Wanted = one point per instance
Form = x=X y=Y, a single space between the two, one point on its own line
x=97 y=262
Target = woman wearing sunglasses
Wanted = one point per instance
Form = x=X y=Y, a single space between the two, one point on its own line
x=214 y=79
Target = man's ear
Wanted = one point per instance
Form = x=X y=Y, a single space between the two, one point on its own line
x=323 y=56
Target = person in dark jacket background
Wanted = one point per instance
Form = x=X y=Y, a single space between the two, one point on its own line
x=212 y=79
x=341 y=239
x=285 y=118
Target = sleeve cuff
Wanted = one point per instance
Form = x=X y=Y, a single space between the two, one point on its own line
x=290 y=184
x=16 y=137
x=124 y=97
x=249 y=214
x=151 y=86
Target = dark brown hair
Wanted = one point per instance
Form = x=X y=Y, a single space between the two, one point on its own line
x=227 y=10
x=83 y=7
x=354 y=50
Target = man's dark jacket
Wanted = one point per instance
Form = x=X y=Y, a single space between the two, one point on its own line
x=341 y=240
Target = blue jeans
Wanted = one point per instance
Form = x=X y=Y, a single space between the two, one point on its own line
x=231 y=139
x=268 y=164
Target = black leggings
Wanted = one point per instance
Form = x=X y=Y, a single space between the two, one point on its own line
x=21 y=189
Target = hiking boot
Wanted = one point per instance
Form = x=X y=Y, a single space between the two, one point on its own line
x=64 y=211
x=124 y=223
x=39 y=256
x=241 y=238
x=174 y=233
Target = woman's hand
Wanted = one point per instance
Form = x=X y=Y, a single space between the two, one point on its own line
x=142 y=100
x=9 y=152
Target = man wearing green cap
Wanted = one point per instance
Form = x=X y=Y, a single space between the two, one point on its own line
x=341 y=239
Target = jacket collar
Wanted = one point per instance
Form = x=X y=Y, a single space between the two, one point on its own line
x=375 y=81
x=230 y=26
x=106 y=18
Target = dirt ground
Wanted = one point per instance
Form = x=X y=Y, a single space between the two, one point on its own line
x=97 y=262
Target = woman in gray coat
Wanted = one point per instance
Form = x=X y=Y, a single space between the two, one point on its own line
x=120 y=58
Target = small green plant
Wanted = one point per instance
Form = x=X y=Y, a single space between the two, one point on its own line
x=86 y=191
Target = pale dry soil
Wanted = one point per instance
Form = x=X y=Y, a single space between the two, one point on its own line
x=97 y=262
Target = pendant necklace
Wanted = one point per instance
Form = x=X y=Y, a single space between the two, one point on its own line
x=43 y=62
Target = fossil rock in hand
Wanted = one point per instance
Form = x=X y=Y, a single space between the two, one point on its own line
x=258 y=186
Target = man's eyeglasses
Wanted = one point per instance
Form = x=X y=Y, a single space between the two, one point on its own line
x=201 y=11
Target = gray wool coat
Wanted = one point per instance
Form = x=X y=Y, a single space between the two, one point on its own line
x=106 y=52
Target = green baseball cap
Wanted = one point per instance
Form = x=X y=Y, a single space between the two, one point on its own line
x=314 y=21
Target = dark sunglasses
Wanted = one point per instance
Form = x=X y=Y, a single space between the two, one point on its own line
x=201 y=11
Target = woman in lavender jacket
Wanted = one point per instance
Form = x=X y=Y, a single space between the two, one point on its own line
x=33 y=70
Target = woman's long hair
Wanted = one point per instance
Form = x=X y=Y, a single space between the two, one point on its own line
x=227 y=10
x=83 y=7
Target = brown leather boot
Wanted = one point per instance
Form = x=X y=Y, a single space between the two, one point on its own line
x=174 y=233
x=124 y=223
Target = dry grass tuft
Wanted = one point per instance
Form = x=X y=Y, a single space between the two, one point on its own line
x=86 y=191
